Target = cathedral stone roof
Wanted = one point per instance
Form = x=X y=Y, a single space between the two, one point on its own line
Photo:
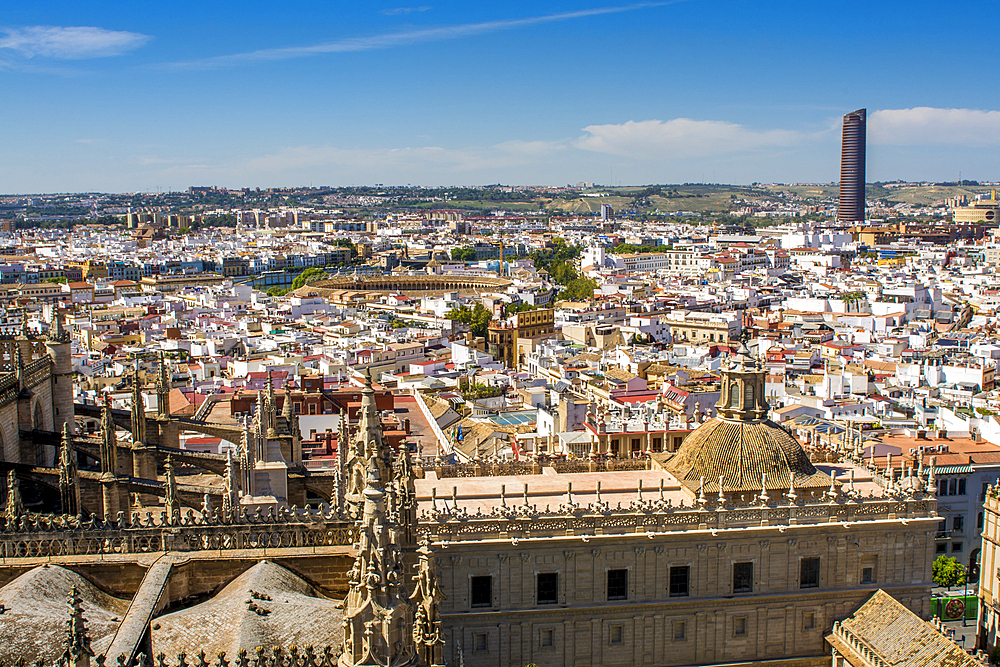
x=744 y=453
x=36 y=609
x=267 y=605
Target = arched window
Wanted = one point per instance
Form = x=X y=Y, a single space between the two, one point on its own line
x=734 y=395
x=748 y=403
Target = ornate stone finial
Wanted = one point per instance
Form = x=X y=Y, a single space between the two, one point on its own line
x=231 y=494
x=427 y=597
x=78 y=651
x=109 y=440
x=15 y=507
x=791 y=495
x=722 y=495
x=834 y=491
x=931 y=476
x=170 y=502
x=138 y=409
x=701 y=491
x=850 y=484
x=764 y=496
x=68 y=475
x=286 y=407
x=163 y=389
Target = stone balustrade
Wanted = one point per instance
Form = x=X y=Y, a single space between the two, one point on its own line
x=520 y=519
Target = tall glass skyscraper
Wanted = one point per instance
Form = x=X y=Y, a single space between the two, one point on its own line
x=852 y=168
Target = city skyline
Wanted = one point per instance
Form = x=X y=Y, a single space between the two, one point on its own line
x=141 y=99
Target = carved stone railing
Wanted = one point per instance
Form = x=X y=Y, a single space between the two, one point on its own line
x=860 y=648
x=33 y=536
x=37 y=371
x=519 y=518
x=9 y=387
x=487 y=469
x=274 y=656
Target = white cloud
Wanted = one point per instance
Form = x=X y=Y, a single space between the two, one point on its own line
x=921 y=126
x=390 y=40
x=680 y=138
x=402 y=11
x=69 y=43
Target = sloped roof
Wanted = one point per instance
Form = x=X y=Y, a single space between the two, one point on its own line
x=267 y=605
x=33 y=625
x=899 y=637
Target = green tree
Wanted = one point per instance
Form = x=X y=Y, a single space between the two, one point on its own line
x=466 y=254
x=478 y=318
x=578 y=289
x=947 y=571
x=563 y=273
x=520 y=307
x=277 y=291
x=59 y=280
x=307 y=276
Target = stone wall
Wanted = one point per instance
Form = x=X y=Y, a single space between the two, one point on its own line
x=712 y=624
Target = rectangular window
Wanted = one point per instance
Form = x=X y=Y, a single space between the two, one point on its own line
x=956 y=546
x=740 y=626
x=961 y=487
x=979 y=521
x=679 y=578
x=743 y=577
x=679 y=631
x=808 y=620
x=546 y=639
x=942 y=487
x=809 y=573
x=941 y=548
x=617 y=634
x=952 y=486
x=867 y=575
x=958 y=523
x=482 y=591
x=548 y=587
x=618 y=584
x=481 y=643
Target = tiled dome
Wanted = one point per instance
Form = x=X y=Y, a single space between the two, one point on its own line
x=743 y=453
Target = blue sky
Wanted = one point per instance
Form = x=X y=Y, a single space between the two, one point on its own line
x=138 y=96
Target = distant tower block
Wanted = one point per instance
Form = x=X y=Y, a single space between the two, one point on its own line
x=58 y=347
x=852 y=168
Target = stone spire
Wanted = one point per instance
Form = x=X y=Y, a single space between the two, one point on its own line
x=370 y=448
x=69 y=486
x=109 y=441
x=163 y=389
x=268 y=423
x=78 y=651
x=138 y=410
x=286 y=407
x=370 y=431
x=378 y=618
x=231 y=489
x=405 y=496
x=170 y=502
x=15 y=508
x=427 y=620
